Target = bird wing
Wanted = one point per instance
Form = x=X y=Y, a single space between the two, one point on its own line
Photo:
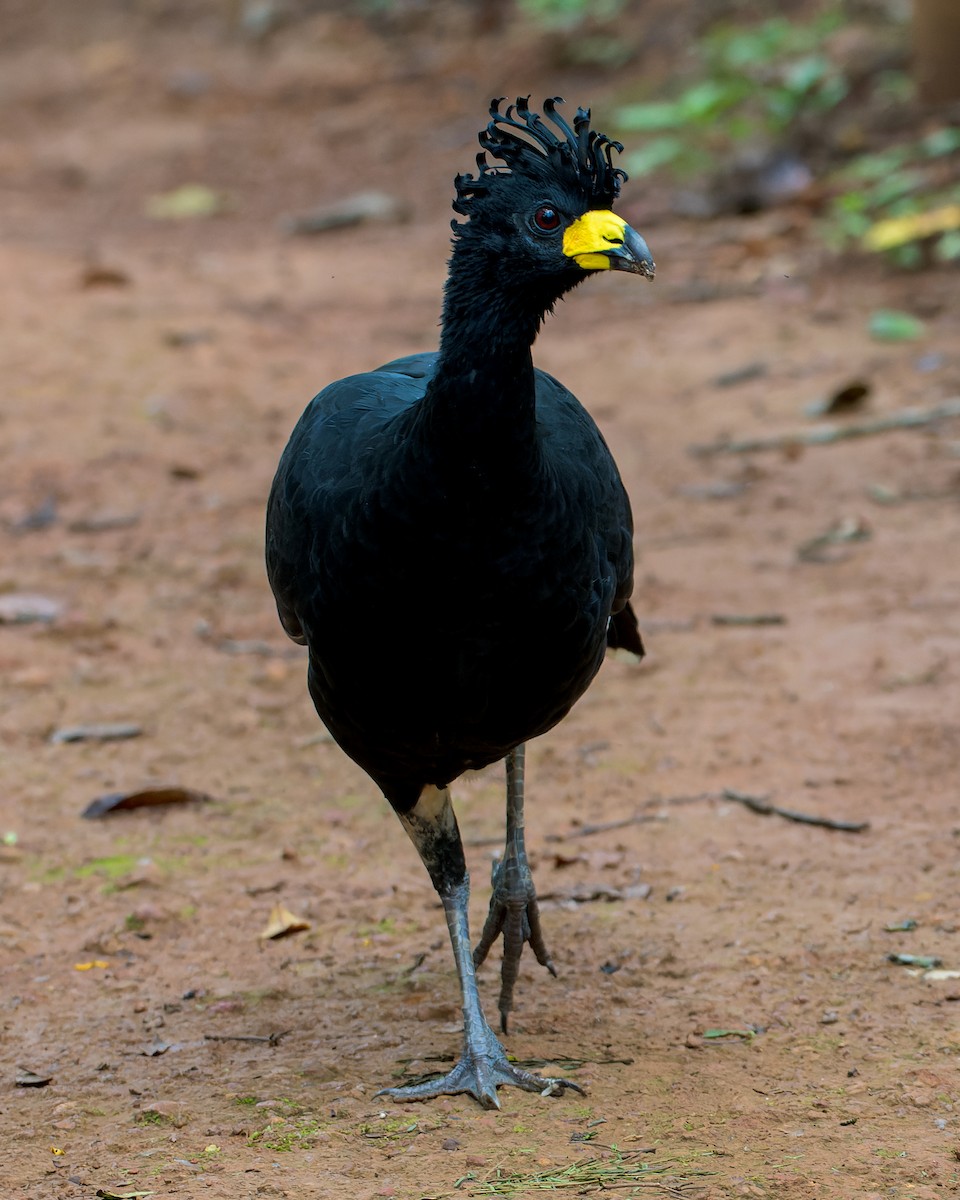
x=317 y=471
x=573 y=445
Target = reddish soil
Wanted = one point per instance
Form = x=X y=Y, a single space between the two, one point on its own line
x=152 y=371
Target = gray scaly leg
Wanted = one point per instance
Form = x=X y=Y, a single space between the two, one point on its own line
x=483 y=1065
x=513 y=905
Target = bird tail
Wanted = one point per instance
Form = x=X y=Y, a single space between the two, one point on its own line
x=623 y=632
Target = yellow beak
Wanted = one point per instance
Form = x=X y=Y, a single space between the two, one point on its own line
x=602 y=241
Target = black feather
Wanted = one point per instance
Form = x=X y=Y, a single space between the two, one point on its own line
x=581 y=156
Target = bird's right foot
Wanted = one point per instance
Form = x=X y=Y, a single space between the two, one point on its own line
x=480 y=1070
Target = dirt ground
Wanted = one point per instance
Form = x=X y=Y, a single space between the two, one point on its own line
x=726 y=996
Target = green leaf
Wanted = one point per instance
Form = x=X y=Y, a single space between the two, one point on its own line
x=852 y=202
x=908 y=257
x=947 y=248
x=782 y=106
x=658 y=152
x=708 y=99
x=804 y=74
x=871 y=167
x=895 y=185
x=651 y=118
x=831 y=92
x=888 y=325
x=941 y=141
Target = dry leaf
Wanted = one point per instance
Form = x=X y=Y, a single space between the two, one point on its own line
x=187 y=202
x=27 y=1078
x=156 y=1048
x=108 y=732
x=849 y=397
x=354 y=210
x=97 y=275
x=282 y=922
x=148 y=797
x=898 y=231
x=104 y=520
x=20 y=608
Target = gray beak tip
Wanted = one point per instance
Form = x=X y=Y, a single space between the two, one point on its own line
x=633 y=256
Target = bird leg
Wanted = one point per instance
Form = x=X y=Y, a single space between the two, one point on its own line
x=483 y=1065
x=513 y=905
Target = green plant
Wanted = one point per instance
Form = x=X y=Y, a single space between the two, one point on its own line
x=752 y=82
x=569 y=14
x=899 y=200
x=766 y=84
x=286 y=1135
x=614 y=1171
x=150 y=1117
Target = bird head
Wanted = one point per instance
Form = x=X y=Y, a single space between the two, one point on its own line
x=545 y=210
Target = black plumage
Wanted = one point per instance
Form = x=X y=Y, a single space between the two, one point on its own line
x=450 y=538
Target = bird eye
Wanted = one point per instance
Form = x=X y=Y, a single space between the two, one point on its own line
x=546 y=219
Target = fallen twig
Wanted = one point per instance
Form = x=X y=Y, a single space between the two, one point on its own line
x=642 y=817
x=272 y=1039
x=748 y=619
x=825 y=435
x=757 y=804
x=821 y=549
x=761 y=805
x=586 y=894
x=573 y=1064
x=604 y=827
x=925 y=961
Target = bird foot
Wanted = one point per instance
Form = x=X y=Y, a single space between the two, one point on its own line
x=514 y=912
x=479 y=1072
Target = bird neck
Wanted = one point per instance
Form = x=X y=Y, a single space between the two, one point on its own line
x=482 y=397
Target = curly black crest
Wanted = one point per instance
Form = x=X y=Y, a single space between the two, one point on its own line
x=523 y=141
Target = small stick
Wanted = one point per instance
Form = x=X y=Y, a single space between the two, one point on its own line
x=825 y=435
x=273 y=1038
x=748 y=619
x=638 y=818
x=757 y=804
x=761 y=805
x=606 y=826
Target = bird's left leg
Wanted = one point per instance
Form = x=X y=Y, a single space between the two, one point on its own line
x=483 y=1065
x=513 y=905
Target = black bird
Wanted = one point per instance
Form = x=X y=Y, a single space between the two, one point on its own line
x=449 y=537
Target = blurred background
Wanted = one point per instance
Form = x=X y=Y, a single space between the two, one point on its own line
x=843 y=110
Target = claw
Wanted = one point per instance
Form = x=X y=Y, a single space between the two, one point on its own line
x=479 y=1072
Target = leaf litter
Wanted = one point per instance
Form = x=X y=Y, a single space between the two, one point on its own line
x=149 y=797
x=25 y=1078
x=282 y=922
x=24 y=608
x=826 y=435
x=110 y=731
